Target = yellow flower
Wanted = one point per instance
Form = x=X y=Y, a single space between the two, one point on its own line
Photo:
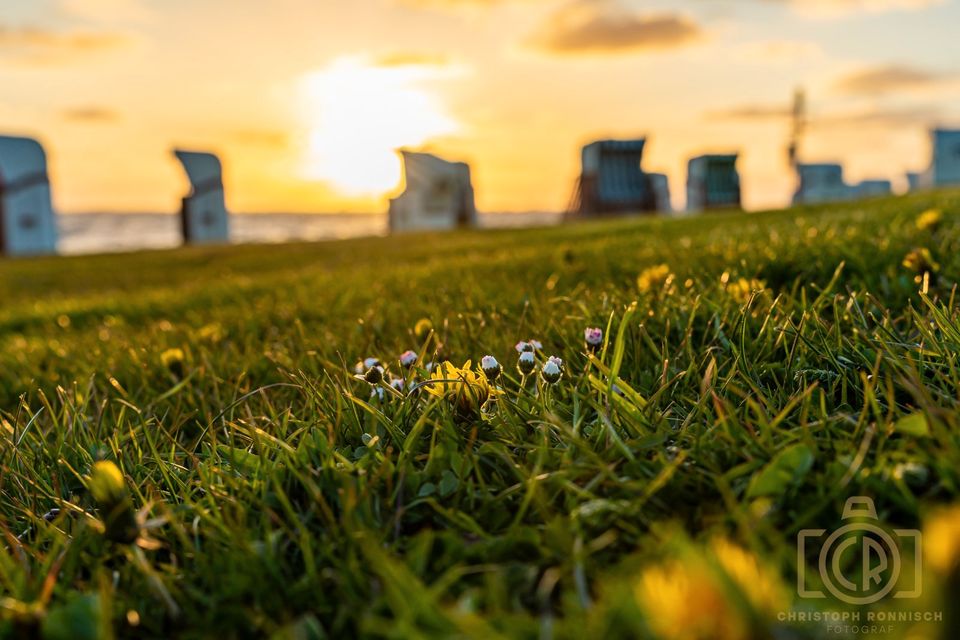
x=689 y=599
x=741 y=289
x=684 y=602
x=758 y=583
x=212 y=332
x=941 y=540
x=109 y=491
x=106 y=484
x=929 y=220
x=654 y=278
x=921 y=260
x=467 y=390
x=171 y=358
x=422 y=329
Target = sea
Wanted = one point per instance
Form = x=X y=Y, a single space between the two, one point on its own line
x=85 y=233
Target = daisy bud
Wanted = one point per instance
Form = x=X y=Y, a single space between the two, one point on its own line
x=593 y=337
x=536 y=344
x=361 y=367
x=551 y=371
x=523 y=346
x=526 y=364
x=397 y=383
x=491 y=368
x=377 y=393
x=374 y=374
x=408 y=359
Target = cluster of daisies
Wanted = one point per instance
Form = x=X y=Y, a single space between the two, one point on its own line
x=530 y=359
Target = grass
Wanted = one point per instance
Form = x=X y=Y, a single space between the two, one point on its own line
x=777 y=365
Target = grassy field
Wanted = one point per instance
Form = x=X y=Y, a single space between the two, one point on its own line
x=756 y=370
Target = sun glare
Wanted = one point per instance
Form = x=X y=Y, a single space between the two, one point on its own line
x=359 y=113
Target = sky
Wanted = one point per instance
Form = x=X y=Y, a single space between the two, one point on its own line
x=306 y=100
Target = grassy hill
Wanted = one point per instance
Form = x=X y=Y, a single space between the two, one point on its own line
x=756 y=371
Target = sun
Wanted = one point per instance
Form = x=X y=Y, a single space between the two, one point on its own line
x=359 y=113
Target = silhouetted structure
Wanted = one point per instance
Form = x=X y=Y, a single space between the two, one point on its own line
x=820 y=183
x=713 y=182
x=203 y=213
x=660 y=184
x=28 y=224
x=437 y=195
x=913 y=180
x=613 y=181
x=944 y=167
x=872 y=189
x=798 y=127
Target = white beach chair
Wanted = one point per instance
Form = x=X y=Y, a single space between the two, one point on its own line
x=204 y=211
x=28 y=224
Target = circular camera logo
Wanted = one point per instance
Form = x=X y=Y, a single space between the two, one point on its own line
x=861 y=562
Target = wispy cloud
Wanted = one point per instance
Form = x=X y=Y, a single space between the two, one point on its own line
x=605 y=26
x=91 y=114
x=412 y=59
x=891 y=79
x=752 y=112
x=459 y=4
x=108 y=11
x=921 y=115
x=901 y=117
x=38 y=46
x=843 y=8
x=261 y=138
x=778 y=51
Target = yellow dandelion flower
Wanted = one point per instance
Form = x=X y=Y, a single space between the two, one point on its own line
x=212 y=332
x=742 y=289
x=172 y=360
x=941 y=540
x=464 y=388
x=171 y=357
x=921 y=260
x=758 y=583
x=109 y=491
x=422 y=329
x=106 y=483
x=684 y=602
x=929 y=220
x=654 y=278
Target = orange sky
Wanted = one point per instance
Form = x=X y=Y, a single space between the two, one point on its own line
x=305 y=100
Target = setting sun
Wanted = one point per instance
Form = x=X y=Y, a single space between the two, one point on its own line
x=359 y=113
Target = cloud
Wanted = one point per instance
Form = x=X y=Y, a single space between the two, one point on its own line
x=752 y=112
x=604 y=26
x=261 y=138
x=778 y=51
x=843 y=8
x=905 y=117
x=890 y=79
x=894 y=117
x=36 y=46
x=458 y=4
x=108 y=10
x=411 y=59
x=90 y=114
